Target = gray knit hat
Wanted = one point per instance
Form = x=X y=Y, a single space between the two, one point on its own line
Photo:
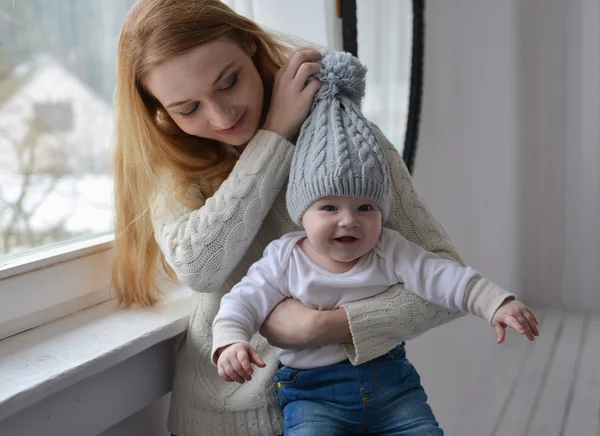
x=337 y=153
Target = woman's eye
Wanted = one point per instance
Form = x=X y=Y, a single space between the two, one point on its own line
x=232 y=82
x=365 y=208
x=190 y=112
x=329 y=208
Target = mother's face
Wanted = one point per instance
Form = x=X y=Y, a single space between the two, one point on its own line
x=213 y=91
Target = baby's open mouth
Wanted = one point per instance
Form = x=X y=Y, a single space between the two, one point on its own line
x=346 y=239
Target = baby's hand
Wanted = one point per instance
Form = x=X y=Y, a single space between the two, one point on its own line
x=234 y=362
x=515 y=314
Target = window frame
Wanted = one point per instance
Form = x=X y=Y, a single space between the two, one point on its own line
x=77 y=273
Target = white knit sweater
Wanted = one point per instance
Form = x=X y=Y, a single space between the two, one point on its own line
x=212 y=248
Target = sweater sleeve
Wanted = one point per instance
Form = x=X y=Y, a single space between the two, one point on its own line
x=247 y=305
x=379 y=323
x=203 y=246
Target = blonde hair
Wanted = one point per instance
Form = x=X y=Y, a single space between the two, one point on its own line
x=148 y=141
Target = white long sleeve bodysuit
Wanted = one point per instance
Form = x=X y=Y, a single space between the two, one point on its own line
x=286 y=271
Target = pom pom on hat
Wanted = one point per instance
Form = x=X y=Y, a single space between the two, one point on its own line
x=342 y=75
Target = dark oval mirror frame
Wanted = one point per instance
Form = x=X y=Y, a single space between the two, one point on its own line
x=350 y=44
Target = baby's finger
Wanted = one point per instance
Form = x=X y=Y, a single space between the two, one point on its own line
x=223 y=374
x=525 y=324
x=531 y=313
x=512 y=322
x=532 y=322
x=233 y=375
x=500 y=332
x=256 y=359
x=240 y=370
x=244 y=360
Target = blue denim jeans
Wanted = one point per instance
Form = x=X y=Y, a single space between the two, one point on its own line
x=380 y=397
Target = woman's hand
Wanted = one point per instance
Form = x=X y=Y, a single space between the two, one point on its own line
x=292 y=97
x=293 y=325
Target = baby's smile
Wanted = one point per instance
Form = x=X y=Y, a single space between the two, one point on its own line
x=346 y=240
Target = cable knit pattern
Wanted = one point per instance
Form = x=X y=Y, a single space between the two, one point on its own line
x=195 y=243
x=212 y=248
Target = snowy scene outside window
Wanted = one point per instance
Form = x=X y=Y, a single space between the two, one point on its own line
x=57 y=78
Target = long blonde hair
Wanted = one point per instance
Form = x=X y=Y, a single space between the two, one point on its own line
x=148 y=141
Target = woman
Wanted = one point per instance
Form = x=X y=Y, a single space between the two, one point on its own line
x=207 y=109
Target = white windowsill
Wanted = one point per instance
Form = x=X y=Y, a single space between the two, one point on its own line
x=47 y=359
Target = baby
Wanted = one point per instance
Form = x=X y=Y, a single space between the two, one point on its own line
x=339 y=191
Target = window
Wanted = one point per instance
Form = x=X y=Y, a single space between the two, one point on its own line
x=314 y=21
x=57 y=78
x=385 y=40
x=57 y=75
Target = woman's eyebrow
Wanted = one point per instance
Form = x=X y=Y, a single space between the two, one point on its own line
x=222 y=73
x=177 y=103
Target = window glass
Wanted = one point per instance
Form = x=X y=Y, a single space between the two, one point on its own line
x=384 y=35
x=57 y=76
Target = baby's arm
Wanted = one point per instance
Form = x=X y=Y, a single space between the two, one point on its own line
x=242 y=312
x=450 y=285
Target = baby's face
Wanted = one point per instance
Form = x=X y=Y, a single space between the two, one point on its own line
x=343 y=228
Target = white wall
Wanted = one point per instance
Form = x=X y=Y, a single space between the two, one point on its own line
x=560 y=68
x=466 y=163
x=543 y=128
x=582 y=204
x=509 y=148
